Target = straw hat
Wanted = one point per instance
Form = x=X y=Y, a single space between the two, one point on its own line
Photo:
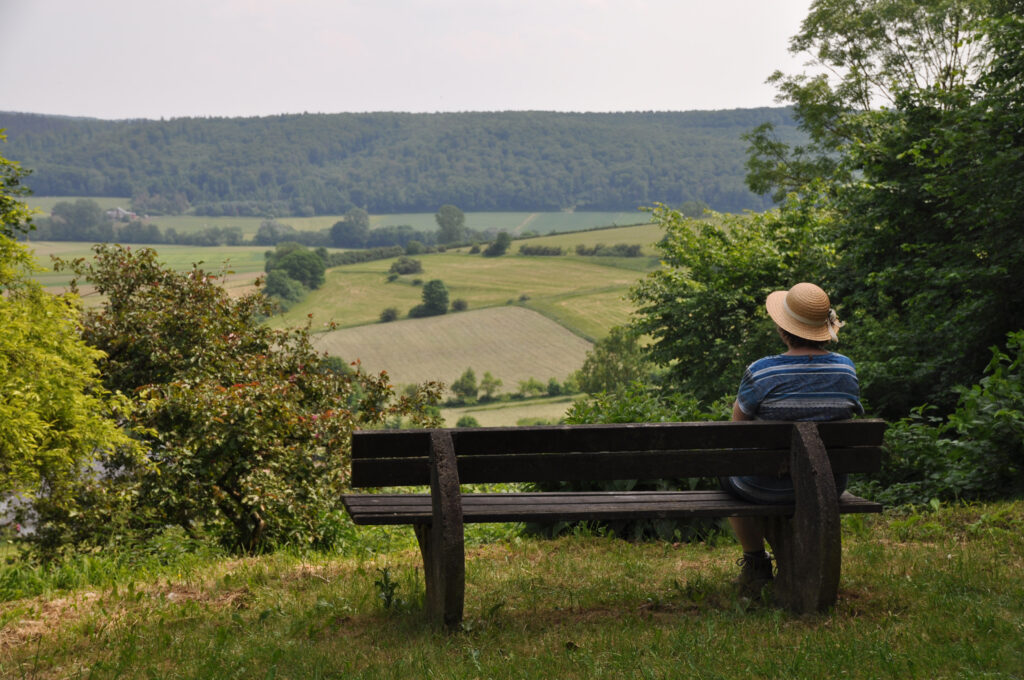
x=805 y=311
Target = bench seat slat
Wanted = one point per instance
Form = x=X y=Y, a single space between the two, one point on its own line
x=575 y=506
x=550 y=467
x=617 y=437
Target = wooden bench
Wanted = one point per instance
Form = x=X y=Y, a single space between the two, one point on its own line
x=805 y=536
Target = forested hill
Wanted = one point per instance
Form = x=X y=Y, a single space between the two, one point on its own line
x=396 y=162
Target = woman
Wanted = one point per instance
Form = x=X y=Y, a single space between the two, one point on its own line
x=806 y=382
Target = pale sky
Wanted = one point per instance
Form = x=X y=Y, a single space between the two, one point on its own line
x=172 y=58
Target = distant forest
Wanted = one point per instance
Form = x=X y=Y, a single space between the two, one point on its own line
x=325 y=164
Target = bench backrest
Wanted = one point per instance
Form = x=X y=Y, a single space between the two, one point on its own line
x=607 y=452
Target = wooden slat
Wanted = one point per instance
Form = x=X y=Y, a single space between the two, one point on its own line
x=613 y=437
x=548 y=467
x=575 y=506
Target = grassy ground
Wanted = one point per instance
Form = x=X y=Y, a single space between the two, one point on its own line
x=507 y=413
x=923 y=595
x=355 y=295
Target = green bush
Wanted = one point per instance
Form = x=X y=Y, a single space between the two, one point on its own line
x=406 y=265
x=247 y=427
x=975 y=453
x=389 y=314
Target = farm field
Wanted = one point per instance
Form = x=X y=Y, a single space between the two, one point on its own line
x=503 y=413
x=355 y=295
x=512 y=222
x=243 y=260
x=511 y=342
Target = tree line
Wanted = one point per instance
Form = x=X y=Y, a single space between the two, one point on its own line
x=396 y=162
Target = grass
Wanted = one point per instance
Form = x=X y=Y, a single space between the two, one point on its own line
x=507 y=413
x=939 y=596
x=355 y=295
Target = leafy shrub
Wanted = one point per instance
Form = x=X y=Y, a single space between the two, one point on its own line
x=406 y=265
x=499 y=246
x=617 y=250
x=459 y=305
x=246 y=426
x=389 y=314
x=467 y=421
x=435 y=300
x=976 y=453
x=538 y=250
x=283 y=287
x=368 y=255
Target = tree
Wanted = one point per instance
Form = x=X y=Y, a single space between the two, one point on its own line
x=272 y=232
x=868 y=53
x=465 y=388
x=299 y=262
x=499 y=246
x=56 y=418
x=489 y=385
x=614 y=363
x=435 y=300
x=925 y=190
x=451 y=224
x=353 y=231
x=704 y=309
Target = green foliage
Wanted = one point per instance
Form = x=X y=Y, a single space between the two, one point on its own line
x=616 y=250
x=15 y=217
x=406 y=265
x=282 y=286
x=539 y=250
x=247 y=427
x=389 y=314
x=704 y=308
x=465 y=387
x=451 y=223
x=396 y=162
x=927 y=188
x=56 y=418
x=531 y=387
x=467 y=421
x=976 y=453
x=489 y=385
x=353 y=231
x=435 y=300
x=299 y=262
x=615 y=362
x=499 y=246
x=459 y=305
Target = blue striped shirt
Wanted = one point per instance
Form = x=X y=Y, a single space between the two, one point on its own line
x=802 y=387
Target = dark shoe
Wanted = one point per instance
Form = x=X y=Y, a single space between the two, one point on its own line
x=755 y=573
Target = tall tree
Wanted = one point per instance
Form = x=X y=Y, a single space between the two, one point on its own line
x=926 y=190
x=451 y=223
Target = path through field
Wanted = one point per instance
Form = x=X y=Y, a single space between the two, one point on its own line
x=511 y=342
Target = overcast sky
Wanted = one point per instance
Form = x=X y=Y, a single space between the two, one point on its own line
x=160 y=58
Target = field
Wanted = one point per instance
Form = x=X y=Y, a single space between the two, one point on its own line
x=528 y=317
x=245 y=261
x=502 y=413
x=512 y=222
x=924 y=594
x=511 y=342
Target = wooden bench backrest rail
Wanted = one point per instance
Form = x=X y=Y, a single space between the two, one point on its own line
x=607 y=452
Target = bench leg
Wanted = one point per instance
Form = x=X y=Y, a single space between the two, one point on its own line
x=442 y=541
x=808 y=546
